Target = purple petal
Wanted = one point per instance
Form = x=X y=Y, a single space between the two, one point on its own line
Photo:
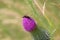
x=28 y=23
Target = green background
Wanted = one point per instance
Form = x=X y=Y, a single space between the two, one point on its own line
x=12 y=11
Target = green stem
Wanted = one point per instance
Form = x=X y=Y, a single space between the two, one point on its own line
x=40 y=34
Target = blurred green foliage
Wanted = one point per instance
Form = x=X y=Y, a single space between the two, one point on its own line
x=13 y=30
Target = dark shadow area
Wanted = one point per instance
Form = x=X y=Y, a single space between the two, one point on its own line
x=40 y=34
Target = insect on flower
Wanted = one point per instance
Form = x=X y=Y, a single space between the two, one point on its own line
x=28 y=23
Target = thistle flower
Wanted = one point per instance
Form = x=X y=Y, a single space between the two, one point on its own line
x=38 y=34
x=28 y=23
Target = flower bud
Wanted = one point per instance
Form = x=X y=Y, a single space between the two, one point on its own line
x=28 y=23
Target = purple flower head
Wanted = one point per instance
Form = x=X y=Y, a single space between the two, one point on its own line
x=28 y=23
